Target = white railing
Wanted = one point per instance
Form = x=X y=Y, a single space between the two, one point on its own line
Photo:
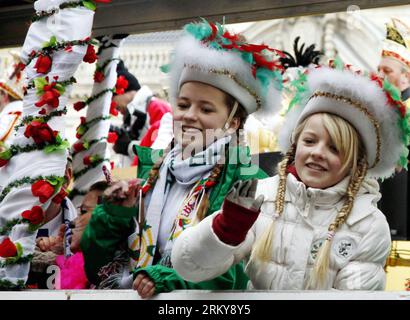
x=204 y=295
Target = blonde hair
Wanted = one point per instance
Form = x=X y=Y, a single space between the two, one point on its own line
x=350 y=147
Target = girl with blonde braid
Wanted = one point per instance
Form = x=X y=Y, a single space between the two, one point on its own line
x=315 y=225
x=217 y=80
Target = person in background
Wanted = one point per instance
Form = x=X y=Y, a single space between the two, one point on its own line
x=394 y=66
x=142 y=113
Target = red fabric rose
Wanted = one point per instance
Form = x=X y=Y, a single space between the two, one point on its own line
x=112 y=137
x=90 y=55
x=112 y=165
x=121 y=85
x=83 y=120
x=42 y=111
x=8 y=249
x=49 y=97
x=34 y=216
x=87 y=160
x=3 y=162
x=113 y=109
x=78 y=147
x=59 y=197
x=79 y=105
x=40 y=132
x=99 y=76
x=42 y=189
x=43 y=64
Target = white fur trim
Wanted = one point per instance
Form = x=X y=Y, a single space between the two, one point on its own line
x=191 y=52
x=364 y=91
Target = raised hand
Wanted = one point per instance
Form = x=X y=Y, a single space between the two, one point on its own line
x=243 y=193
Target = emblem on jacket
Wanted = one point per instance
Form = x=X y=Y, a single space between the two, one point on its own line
x=344 y=248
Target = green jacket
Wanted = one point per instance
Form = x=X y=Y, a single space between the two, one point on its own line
x=110 y=226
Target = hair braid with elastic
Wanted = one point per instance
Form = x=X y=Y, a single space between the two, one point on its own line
x=262 y=250
x=282 y=172
x=321 y=266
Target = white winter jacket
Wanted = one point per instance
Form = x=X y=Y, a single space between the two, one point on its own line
x=358 y=253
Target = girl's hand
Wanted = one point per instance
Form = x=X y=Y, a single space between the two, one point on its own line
x=144 y=286
x=124 y=193
x=243 y=194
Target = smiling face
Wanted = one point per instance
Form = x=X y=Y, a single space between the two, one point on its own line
x=318 y=161
x=200 y=114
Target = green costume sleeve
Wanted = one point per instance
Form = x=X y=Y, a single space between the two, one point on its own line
x=167 y=279
x=109 y=226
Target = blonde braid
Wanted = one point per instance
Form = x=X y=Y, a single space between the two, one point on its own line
x=321 y=266
x=262 y=249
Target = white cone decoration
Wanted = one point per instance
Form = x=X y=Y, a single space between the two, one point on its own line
x=97 y=124
x=39 y=152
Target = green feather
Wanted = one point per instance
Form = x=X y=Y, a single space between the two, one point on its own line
x=199 y=30
x=394 y=92
x=248 y=57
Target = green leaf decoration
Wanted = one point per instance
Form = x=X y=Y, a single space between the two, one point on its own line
x=89 y=5
x=13 y=260
x=339 y=65
x=6 y=155
x=86 y=145
x=81 y=130
x=53 y=41
x=39 y=84
x=60 y=88
x=57 y=182
x=57 y=147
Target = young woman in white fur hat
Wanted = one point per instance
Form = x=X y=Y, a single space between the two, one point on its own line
x=316 y=224
x=217 y=79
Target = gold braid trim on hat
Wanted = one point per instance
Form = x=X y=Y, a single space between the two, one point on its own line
x=227 y=73
x=386 y=53
x=7 y=89
x=361 y=108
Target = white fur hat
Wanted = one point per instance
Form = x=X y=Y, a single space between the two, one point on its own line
x=367 y=104
x=209 y=54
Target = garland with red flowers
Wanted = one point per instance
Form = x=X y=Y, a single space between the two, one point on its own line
x=67 y=5
x=91 y=162
x=57 y=144
x=99 y=74
x=56 y=180
x=44 y=61
x=85 y=145
x=120 y=87
x=85 y=126
x=28 y=119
